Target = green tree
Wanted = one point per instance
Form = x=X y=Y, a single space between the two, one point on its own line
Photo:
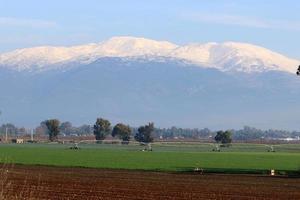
x=122 y=131
x=66 y=128
x=85 y=130
x=101 y=128
x=10 y=128
x=41 y=129
x=223 y=137
x=53 y=128
x=145 y=133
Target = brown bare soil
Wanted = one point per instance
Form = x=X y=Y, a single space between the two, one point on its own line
x=36 y=182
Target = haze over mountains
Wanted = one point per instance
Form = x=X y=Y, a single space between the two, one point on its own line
x=136 y=80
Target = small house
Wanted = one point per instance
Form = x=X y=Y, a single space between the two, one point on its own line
x=17 y=141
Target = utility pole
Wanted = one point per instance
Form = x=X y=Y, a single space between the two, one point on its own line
x=6 y=129
x=32 y=135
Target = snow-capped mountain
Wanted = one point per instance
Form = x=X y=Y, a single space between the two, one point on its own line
x=228 y=56
x=136 y=80
x=135 y=92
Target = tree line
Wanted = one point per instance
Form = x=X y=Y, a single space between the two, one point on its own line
x=144 y=134
x=102 y=128
x=66 y=128
x=11 y=129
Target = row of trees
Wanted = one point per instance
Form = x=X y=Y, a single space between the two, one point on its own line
x=66 y=128
x=122 y=131
x=247 y=133
x=250 y=133
x=174 y=132
x=11 y=129
x=102 y=128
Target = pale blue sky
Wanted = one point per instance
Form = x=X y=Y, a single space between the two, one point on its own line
x=274 y=24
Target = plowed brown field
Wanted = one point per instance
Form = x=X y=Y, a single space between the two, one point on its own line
x=36 y=182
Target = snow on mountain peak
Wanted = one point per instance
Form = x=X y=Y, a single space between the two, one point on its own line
x=131 y=46
x=250 y=58
x=228 y=56
x=41 y=57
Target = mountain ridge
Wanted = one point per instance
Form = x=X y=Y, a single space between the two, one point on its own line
x=138 y=91
x=227 y=56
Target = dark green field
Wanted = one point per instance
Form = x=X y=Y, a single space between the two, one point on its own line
x=240 y=158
